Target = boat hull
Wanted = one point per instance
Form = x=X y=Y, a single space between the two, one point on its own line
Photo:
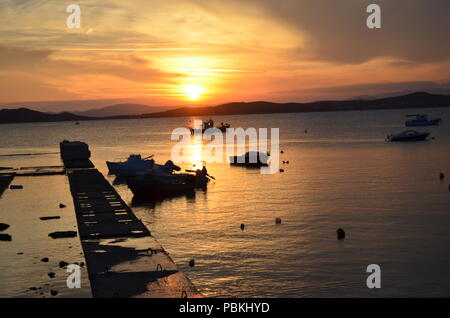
x=421 y=123
x=142 y=190
x=419 y=137
x=160 y=186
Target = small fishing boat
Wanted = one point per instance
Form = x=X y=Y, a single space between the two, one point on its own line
x=251 y=159
x=408 y=135
x=207 y=124
x=422 y=120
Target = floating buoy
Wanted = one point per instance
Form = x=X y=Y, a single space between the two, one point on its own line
x=340 y=234
x=281 y=170
x=284 y=162
x=45 y=260
x=287 y=162
x=277 y=220
x=61 y=206
x=242 y=226
x=191 y=263
x=441 y=176
x=281 y=151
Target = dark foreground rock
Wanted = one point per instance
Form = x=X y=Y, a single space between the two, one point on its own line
x=5 y=237
x=63 y=234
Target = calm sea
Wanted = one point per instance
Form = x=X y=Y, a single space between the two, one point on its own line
x=341 y=174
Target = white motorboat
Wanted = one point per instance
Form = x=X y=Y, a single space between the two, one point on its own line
x=422 y=120
x=131 y=166
x=136 y=165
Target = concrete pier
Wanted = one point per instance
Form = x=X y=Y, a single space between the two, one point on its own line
x=123 y=259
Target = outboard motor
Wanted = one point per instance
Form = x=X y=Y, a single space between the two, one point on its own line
x=169 y=165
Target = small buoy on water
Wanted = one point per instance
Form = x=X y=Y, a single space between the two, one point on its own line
x=281 y=151
x=287 y=162
x=340 y=234
x=441 y=176
x=242 y=226
x=281 y=170
x=45 y=260
x=191 y=263
x=61 y=206
x=277 y=220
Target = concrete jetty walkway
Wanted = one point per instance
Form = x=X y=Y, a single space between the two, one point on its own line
x=123 y=259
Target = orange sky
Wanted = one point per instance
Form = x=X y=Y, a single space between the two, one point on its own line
x=195 y=52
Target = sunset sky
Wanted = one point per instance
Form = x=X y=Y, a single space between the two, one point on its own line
x=206 y=52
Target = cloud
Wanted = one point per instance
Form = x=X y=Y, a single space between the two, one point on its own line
x=336 y=31
x=143 y=48
x=42 y=74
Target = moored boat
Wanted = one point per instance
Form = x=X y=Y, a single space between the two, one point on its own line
x=131 y=166
x=251 y=159
x=151 y=185
x=135 y=165
x=422 y=120
x=207 y=124
x=408 y=135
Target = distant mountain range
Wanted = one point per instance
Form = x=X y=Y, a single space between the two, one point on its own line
x=121 y=110
x=25 y=115
x=414 y=100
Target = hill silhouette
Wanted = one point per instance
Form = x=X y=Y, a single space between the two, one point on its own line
x=25 y=115
x=121 y=109
x=414 y=100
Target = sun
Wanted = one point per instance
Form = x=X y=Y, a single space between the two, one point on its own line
x=193 y=92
